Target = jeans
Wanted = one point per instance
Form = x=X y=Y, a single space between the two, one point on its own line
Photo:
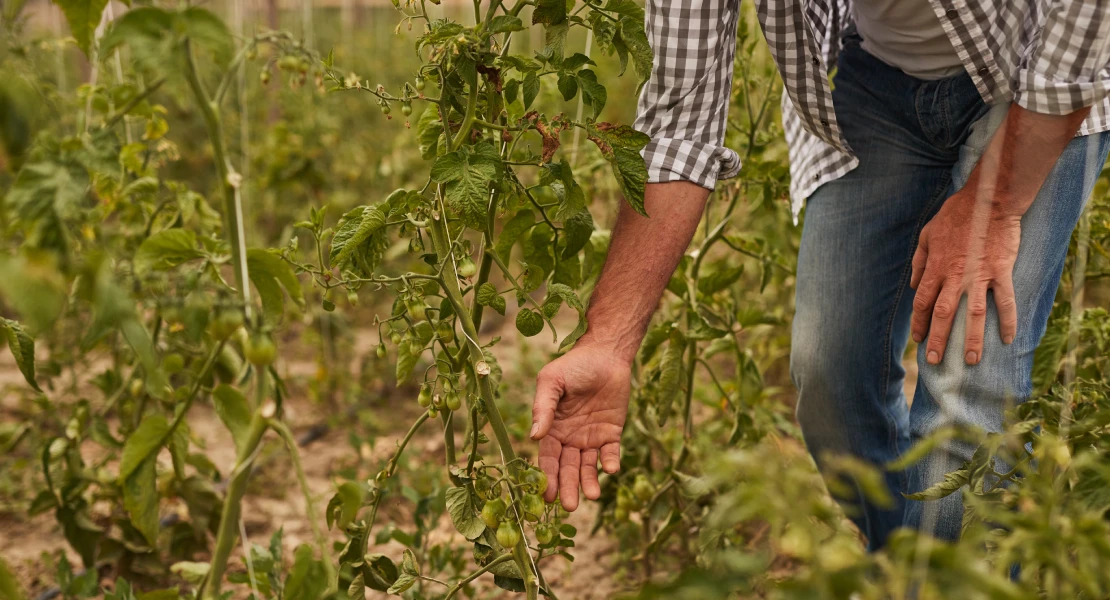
x=917 y=141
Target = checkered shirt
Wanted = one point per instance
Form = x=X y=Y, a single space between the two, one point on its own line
x=1049 y=56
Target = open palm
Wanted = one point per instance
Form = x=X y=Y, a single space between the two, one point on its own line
x=578 y=416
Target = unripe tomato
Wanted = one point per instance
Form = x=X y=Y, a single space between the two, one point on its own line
x=264 y=76
x=544 y=534
x=385 y=109
x=452 y=401
x=395 y=337
x=406 y=108
x=416 y=245
x=447 y=385
x=624 y=499
x=261 y=350
x=507 y=534
x=173 y=363
x=136 y=388
x=419 y=83
x=642 y=488
x=535 y=481
x=492 y=512
x=533 y=506
x=467 y=268
x=380 y=351
x=416 y=308
x=352 y=297
x=445 y=331
x=620 y=514
x=226 y=323
x=425 y=397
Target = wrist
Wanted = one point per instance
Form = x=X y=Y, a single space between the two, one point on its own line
x=621 y=347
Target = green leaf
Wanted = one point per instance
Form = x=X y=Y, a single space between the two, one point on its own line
x=505 y=24
x=529 y=322
x=572 y=199
x=165 y=250
x=511 y=232
x=22 y=346
x=593 y=93
x=723 y=275
x=468 y=174
x=568 y=86
x=140 y=498
x=429 y=131
x=83 y=17
x=379 y=572
x=625 y=8
x=464 y=513
x=549 y=12
x=487 y=296
x=192 y=572
x=621 y=146
x=143 y=443
x=344 y=505
x=270 y=275
x=951 y=483
x=577 y=231
x=235 y=413
x=409 y=574
x=208 y=31
x=9 y=586
x=670 y=377
x=307 y=579
x=408 y=353
x=634 y=38
x=45 y=190
x=359 y=241
x=149 y=32
x=531 y=88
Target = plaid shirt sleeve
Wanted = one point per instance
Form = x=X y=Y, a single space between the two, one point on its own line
x=1067 y=65
x=684 y=105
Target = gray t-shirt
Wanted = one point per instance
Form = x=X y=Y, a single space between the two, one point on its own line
x=906 y=34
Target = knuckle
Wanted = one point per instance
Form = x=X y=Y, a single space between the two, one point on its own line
x=977 y=309
x=920 y=303
x=974 y=341
x=943 y=310
x=936 y=342
x=1006 y=302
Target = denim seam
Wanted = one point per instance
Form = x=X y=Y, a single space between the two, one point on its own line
x=906 y=270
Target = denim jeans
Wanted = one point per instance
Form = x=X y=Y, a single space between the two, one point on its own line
x=917 y=141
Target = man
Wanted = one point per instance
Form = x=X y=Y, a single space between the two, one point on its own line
x=944 y=175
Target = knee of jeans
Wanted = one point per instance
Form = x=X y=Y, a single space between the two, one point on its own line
x=978 y=395
x=816 y=377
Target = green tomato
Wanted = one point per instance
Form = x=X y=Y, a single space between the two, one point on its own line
x=620 y=514
x=452 y=401
x=466 y=267
x=406 y=108
x=544 y=534
x=535 y=481
x=385 y=109
x=419 y=83
x=380 y=351
x=508 y=535
x=533 y=506
x=225 y=324
x=492 y=512
x=395 y=337
x=260 y=350
x=624 y=499
x=425 y=397
x=416 y=308
x=173 y=363
x=642 y=488
x=446 y=331
x=264 y=76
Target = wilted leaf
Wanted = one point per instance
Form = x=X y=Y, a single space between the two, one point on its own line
x=464 y=513
x=270 y=275
x=83 y=17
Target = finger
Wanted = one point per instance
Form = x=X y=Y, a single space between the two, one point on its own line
x=611 y=457
x=1006 y=302
x=923 y=300
x=920 y=259
x=976 y=324
x=550 y=449
x=569 y=462
x=944 y=313
x=591 y=489
x=548 y=393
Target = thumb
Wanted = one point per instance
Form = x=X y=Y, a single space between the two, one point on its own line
x=549 y=390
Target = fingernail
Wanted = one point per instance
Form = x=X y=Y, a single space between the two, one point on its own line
x=971 y=357
x=1008 y=339
x=917 y=338
x=933 y=358
x=535 y=428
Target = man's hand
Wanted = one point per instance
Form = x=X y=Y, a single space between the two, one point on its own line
x=578 y=415
x=971 y=245
x=582 y=397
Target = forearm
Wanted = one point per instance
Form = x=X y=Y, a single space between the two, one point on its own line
x=643 y=254
x=1020 y=157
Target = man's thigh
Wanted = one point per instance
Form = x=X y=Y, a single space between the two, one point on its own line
x=953 y=393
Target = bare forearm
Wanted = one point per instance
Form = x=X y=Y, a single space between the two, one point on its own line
x=1020 y=156
x=642 y=256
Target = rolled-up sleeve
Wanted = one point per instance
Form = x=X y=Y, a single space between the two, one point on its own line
x=684 y=105
x=1067 y=65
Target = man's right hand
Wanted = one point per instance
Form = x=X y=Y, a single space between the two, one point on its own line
x=578 y=415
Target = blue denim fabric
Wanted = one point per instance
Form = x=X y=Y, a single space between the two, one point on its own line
x=917 y=141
